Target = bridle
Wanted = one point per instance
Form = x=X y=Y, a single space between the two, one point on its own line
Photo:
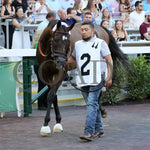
x=53 y=53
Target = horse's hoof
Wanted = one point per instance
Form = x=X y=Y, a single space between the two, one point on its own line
x=45 y=131
x=57 y=128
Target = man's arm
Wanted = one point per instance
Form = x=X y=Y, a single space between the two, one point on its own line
x=71 y=63
x=147 y=36
x=109 y=61
x=75 y=17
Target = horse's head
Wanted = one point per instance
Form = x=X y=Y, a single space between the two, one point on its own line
x=60 y=42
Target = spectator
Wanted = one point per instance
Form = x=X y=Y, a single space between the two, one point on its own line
x=119 y=33
x=125 y=19
x=50 y=16
x=87 y=17
x=18 y=21
x=105 y=4
x=145 y=27
x=21 y=3
x=106 y=16
x=77 y=6
x=146 y=5
x=84 y=11
x=68 y=19
x=42 y=9
x=65 y=4
x=114 y=5
x=105 y=23
x=95 y=10
x=137 y=16
x=125 y=6
x=54 y=5
x=7 y=11
x=84 y=4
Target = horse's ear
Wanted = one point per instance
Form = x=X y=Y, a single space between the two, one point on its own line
x=70 y=27
x=58 y=24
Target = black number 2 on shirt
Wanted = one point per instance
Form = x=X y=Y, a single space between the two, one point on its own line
x=87 y=58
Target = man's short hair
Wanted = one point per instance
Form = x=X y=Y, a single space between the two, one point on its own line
x=87 y=13
x=88 y=23
x=69 y=10
x=137 y=3
x=50 y=14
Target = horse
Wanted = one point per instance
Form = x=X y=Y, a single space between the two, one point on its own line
x=52 y=54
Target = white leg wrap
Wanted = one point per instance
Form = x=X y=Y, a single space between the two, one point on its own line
x=57 y=128
x=45 y=131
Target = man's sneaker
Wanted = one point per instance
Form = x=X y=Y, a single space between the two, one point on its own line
x=87 y=137
x=98 y=134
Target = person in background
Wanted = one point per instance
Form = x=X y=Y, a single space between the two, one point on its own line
x=21 y=3
x=77 y=6
x=105 y=4
x=145 y=27
x=69 y=19
x=119 y=33
x=137 y=17
x=18 y=21
x=50 y=16
x=84 y=4
x=95 y=8
x=7 y=11
x=125 y=6
x=106 y=16
x=146 y=5
x=65 y=4
x=84 y=49
x=105 y=23
x=87 y=17
x=114 y=5
x=84 y=11
x=125 y=19
x=54 y=5
x=42 y=7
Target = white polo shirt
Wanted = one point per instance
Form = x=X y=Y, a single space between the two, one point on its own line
x=89 y=58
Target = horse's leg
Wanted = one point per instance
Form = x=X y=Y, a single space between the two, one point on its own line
x=45 y=130
x=58 y=127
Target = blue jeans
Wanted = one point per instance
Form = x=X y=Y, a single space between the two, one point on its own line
x=93 y=119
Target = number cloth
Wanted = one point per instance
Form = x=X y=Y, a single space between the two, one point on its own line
x=90 y=61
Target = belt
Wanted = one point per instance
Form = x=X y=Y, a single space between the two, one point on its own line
x=102 y=73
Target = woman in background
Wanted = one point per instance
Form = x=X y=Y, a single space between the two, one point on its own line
x=105 y=23
x=125 y=6
x=95 y=8
x=125 y=19
x=77 y=6
x=119 y=33
x=106 y=16
x=18 y=21
x=7 y=11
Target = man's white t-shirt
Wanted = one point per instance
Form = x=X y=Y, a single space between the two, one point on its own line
x=90 y=61
x=136 y=19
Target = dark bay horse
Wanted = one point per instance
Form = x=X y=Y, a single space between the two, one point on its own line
x=52 y=52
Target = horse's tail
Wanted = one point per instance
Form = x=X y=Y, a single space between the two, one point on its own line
x=118 y=56
x=116 y=52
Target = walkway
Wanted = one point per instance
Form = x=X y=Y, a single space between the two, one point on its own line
x=127 y=127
